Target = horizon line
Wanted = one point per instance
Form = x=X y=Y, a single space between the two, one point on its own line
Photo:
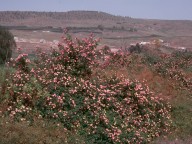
x=142 y=18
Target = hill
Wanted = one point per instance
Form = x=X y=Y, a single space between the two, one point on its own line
x=93 y=19
x=114 y=30
x=57 y=19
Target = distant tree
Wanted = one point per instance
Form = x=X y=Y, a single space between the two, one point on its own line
x=122 y=28
x=137 y=49
x=100 y=27
x=7 y=44
x=132 y=29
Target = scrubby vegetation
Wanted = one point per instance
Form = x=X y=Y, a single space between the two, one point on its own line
x=94 y=94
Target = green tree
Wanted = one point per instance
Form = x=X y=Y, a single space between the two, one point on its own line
x=7 y=44
x=100 y=27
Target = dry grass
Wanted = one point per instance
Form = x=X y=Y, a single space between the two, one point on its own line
x=40 y=132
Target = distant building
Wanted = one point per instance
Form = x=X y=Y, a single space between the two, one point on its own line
x=160 y=40
x=45 y=31
x=42 y=41
x=182 y=48
x=16 y=39
x=144 y=43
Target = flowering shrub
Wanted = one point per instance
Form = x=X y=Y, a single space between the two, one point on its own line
x=59 y=86
x=117 y=59
x=79 y=57
x=176 y=67
x=22 y=62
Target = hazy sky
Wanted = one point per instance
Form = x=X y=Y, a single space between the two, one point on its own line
x=152 y=9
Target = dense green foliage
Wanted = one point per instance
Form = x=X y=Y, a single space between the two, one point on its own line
x=7 y=44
